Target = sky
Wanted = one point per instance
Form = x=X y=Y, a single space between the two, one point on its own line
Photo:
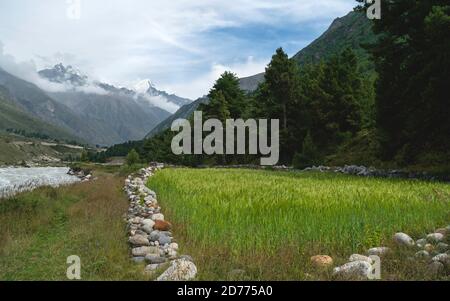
x=181 y=46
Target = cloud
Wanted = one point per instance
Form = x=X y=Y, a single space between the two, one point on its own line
x=175 y=43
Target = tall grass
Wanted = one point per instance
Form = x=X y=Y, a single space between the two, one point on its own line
x=40 y=229
x=258 y=219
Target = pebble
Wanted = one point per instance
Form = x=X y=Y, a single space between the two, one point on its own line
x=435 y=268
x=144 y=251
x=421 y=242
x=422 y=254
x=442 y=247
x=164 y=239
x=443 y=258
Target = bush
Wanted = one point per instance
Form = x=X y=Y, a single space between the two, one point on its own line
x=133 y=158
x=309 y=155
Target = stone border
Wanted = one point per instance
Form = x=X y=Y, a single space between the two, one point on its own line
x=150 y=234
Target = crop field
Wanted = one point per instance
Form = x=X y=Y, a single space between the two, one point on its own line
x=269 y=223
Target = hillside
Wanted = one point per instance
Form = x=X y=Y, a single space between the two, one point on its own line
x=353 y=30
x=13 y=118
x=183 y=113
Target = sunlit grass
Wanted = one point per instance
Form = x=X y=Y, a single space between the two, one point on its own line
x=283 y=217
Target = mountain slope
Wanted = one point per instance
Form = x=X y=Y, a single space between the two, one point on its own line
x=31 y=100
x=353 y=30
x=13 y=118
x=183 y=113
x=115 y=115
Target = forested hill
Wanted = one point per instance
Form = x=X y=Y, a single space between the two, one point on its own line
x=351 y=31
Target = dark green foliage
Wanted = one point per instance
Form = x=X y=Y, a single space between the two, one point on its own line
x=309 y=155
x=133 y=158
x=413 y=62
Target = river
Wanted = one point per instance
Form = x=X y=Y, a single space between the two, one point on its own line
x=14 y=180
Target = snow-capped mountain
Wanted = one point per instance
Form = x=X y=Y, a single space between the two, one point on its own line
x=145 y=87
x=115 y=114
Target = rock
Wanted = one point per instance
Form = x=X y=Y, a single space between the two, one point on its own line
x=358 y=257
x=179 y=270
x=429 y=248
x=421 y=243
x=322 y=261
x=435 y=268
x=354 y=270
x=154 y=235
x=443 y=258
x=147 y=229
x=435 y=237
x=174 y=246
x=162 y=225
x=403 y=239
x=138 y=259
x=442 y=247
x=422 y=254
x=158 y=217
x=172 y=253
x=139 y=240
x=443 y=231
x=144 y=251
x=379 y=251
x=164 y=239
x=148 y=222
x=155 y=259
x=187 y=257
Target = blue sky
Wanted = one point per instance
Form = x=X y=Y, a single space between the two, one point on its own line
x=180 y=45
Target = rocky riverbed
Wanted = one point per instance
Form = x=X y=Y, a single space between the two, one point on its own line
x=150 y=235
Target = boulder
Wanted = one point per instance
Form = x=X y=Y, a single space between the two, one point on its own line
x=158 y=217
x=403 y=239
x=164 y=239
x=442 y=247
x=321 y=261
x=153 y=259
x=148 y=222
x=179 y=270
x=353 y=270
x=148 y=229
x=443 y=258
x=162 y=225
x=139 y=240
x=435 y=237
x=436 y=268
x=443 y=231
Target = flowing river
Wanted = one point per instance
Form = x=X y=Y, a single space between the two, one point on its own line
x=14 y=180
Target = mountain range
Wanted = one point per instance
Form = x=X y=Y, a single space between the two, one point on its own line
x=82 y=110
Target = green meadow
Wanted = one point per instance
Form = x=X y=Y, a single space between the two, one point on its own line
x=269 y=223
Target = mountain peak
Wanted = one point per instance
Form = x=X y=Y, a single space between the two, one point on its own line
x=62 y=74
x=144 y=86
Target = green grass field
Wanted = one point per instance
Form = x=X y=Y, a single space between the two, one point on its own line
x=270 y=223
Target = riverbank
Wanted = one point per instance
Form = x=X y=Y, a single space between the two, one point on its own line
x=40 y=229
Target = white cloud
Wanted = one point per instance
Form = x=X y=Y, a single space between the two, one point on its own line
x=170 y=42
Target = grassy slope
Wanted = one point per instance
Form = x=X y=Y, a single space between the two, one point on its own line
x=15 y=149
x=40 y=229
x=270 y=223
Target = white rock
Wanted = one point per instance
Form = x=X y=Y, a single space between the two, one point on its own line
x=355 y=269
x=379 y=251
x=421 y=243
x=174 y=246
x=358 y=257
x=435 y=237
x=403 y=239
x=144 y=251
x=443 y=258
x=148 y=222
x=158 y=216
x=147 y=228
x=180 y=270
